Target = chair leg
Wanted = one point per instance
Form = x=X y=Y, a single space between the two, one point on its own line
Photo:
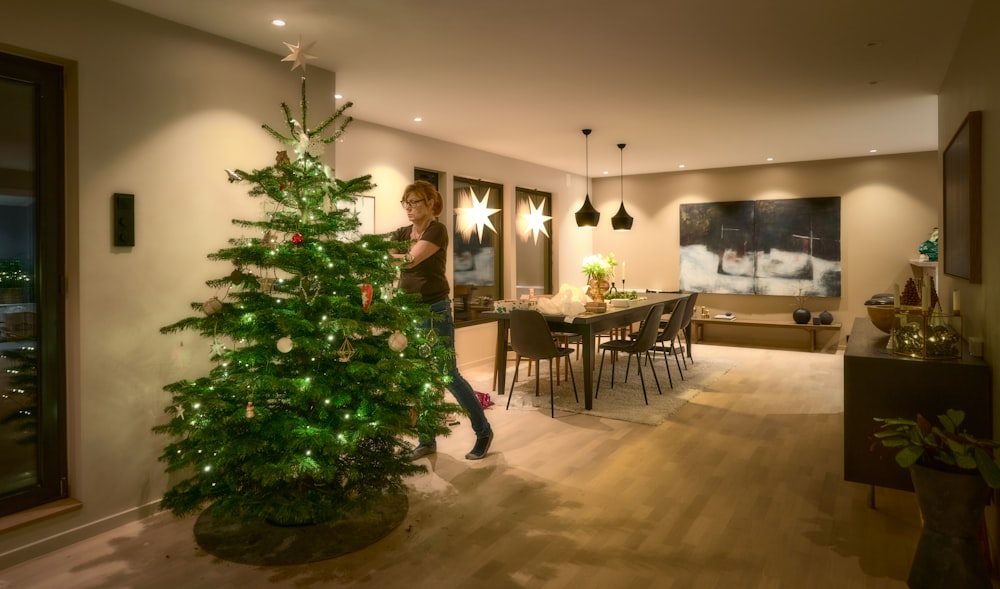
x=652 y=367
x=666 y=362
x=597 y=387
x=512 y=383
x=573 y=379
x=678 y=362
x=643 y=381
x=552 y=394
x=677 y=340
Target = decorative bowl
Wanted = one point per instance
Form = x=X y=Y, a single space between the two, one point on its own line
x=882 y=316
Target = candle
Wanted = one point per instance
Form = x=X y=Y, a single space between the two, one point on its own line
x=895 y=295
x=925 y=296
x=623 y=270
x=955 y=299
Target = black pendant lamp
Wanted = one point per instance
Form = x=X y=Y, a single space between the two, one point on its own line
x=622 y=221
x=587 y=216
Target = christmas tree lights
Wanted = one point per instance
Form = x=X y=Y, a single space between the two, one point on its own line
x=316 y=387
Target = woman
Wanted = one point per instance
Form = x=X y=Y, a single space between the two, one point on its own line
x=422 y=272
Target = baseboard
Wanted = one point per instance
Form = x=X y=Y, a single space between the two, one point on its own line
x=65 y=538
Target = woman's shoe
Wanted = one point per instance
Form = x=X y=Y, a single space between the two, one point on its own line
x=422 y=450
x=481 y=448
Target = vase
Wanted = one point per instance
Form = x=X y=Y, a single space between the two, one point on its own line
x=597 y=288
x=949 y=552
x=801 y=315
x=826 y=318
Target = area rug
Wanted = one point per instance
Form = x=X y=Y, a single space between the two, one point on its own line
x=624 y=401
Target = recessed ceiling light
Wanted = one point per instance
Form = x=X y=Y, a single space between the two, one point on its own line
x=418 y=119
x=770 y=159
x=338 y=96
x=605 y=172
x=681 y=166
x=278 y=22
x=872 y=151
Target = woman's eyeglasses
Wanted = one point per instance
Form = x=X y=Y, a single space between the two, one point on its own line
x=409 y=204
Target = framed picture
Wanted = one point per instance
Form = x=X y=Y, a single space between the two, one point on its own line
x=963 y=226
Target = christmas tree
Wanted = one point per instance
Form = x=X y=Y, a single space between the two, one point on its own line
x=320 y=375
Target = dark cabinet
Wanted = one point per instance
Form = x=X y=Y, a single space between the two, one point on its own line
x=878 y=383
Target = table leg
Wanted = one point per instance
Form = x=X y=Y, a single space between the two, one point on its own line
x=687 y=340
x=500 y=359
x=588 y=369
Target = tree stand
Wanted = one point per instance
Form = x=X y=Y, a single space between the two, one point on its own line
x=265 y=544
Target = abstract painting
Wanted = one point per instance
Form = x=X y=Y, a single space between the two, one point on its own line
x=787 y=247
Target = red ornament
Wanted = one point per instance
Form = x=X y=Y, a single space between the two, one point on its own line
x=297 y=239
x=367 y=292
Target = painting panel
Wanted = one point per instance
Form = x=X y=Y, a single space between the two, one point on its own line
x=716 y=247
x=797 y=247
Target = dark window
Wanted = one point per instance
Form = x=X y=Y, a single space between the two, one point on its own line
x=32 y=380
x=477 y=248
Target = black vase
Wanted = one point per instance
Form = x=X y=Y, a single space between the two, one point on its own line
x=826 y=318
x=801 y=316
x=949 y=553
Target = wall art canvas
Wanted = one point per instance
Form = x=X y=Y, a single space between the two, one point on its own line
x=785 y=247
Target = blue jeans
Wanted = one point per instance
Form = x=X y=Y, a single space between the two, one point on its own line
x=459 y=387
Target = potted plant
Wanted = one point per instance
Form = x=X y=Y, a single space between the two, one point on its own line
x=600 y=270
x=13 y=280
x=952 y=473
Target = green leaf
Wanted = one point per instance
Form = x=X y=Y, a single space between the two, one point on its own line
x=909 y=456
x=987 y=468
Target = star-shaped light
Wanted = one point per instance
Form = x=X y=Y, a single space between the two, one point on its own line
x=472 y=219
x=534 y=221
x=299 y=54
x=179 y=409
x=217 y=347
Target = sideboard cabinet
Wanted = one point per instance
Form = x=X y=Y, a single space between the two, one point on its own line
x=878 y=383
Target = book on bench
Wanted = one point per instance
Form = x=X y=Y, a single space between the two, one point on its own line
x=726 y=316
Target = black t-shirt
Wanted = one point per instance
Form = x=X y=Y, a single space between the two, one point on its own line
x=428 y=277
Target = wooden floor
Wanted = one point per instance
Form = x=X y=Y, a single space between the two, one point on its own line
x=742 y=488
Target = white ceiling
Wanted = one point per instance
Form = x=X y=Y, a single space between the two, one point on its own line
x=705 y=83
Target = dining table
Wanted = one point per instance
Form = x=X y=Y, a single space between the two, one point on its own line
x=588 y=325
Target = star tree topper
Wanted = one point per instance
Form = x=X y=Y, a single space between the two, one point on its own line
x=299 y=54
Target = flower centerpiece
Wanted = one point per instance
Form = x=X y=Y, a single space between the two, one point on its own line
x=13 y=280
x=600 y=270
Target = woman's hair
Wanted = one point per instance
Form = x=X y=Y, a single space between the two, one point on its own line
x=425 y=190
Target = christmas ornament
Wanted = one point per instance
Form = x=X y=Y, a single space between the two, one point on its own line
x=266 y=283
x=211 y=306
x=269 y=240
x=367 y=292
x=232 y=176
x=397 y=341
x=217 y=347
x=346 y=351
x=179 y=409
x=432 y=337
x=297 y=239
x=249 y=409
x=425 y=350
x=281 y=157
x=285 y=345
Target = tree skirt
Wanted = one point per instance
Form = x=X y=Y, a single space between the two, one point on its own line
x=266 y=544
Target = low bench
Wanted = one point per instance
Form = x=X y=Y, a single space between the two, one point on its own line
x=811 y=328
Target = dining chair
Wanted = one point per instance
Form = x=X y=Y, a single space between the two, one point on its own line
x=637 y=347
x=667 y=336
x=532 y=339
x=692 y=304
